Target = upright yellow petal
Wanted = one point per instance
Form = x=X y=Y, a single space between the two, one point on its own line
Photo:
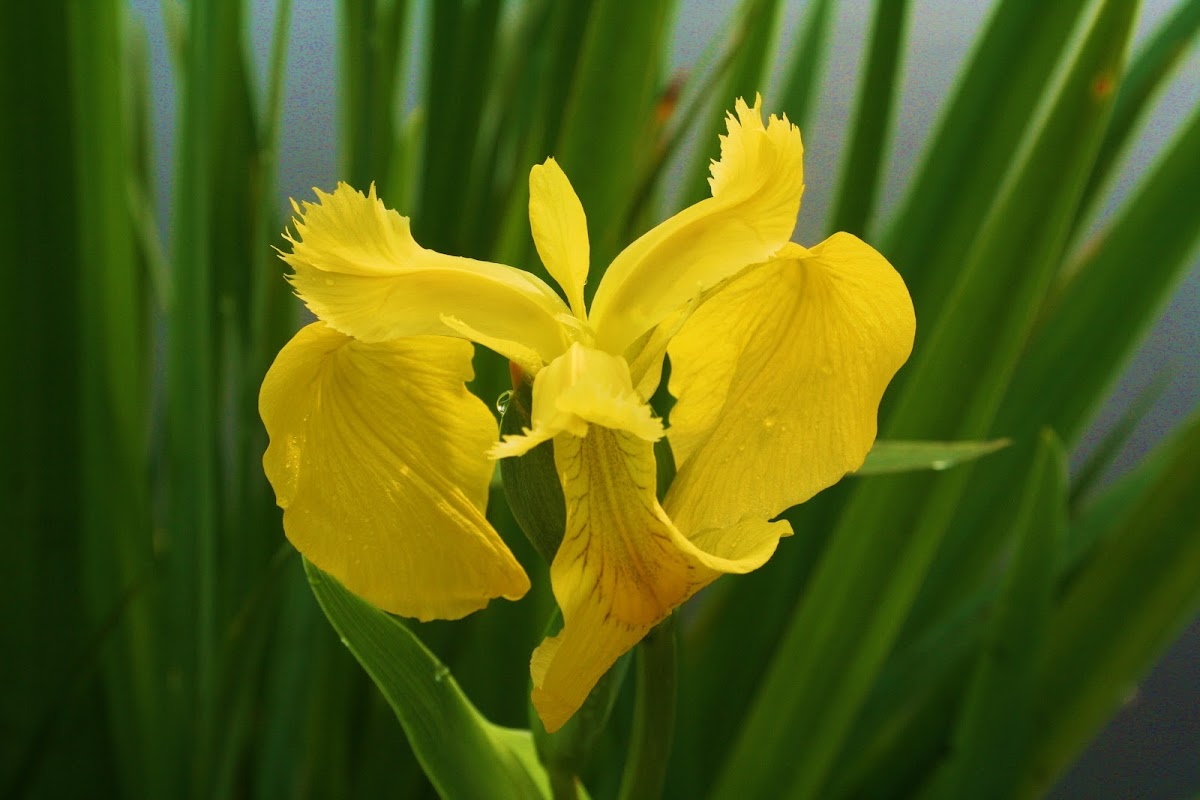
x=559 y=230
x=622 y=566
x=359 y=269
x=779 y=377
x=377 y=457
x=756 y=188
x=583 y=387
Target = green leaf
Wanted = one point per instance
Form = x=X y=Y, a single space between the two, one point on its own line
x=890 y=456
x=851 y=614
x=972 y=153
x=1122 y=609
x=872 y=120
x=991 y=739
x=1145 y=77
x=606 y=118
x=463 y=754
x=801 y=90
x=1090 y=327
x=461 y=51
x=753 y=25
x=372 y=56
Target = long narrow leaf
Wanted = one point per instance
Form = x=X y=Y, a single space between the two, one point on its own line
x=991 y=740
x=1090 y=327
x=972 y=153
x=849 y=618
x=800 y=91
x=888 y=456
x=872 y=119
x=1146 y=75
x=1122 y=610
x=463 y=754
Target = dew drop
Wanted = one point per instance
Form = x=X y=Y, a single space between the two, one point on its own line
x=769 y=422
x=441 y=675
x=503 y=400
x=329 y=281
x=939 y=464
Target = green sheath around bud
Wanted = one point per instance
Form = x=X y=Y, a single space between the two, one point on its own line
x=531 y=483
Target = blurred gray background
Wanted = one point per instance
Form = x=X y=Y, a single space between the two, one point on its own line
x=1152 y=749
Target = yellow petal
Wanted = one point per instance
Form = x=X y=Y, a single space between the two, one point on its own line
x=756 y=188
x=377 y=457
x=622 y=566
x=359 y=269
x=779 y=378
x=582 y=387
x=559 y=230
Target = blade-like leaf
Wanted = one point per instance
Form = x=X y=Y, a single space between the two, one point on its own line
x=752 y=25
x=462 y=753
x=889 y=456
x=1147 y=73
x=1122 y=609
x=991 y=739
x=1089 y=328
x=800 y=91
x=848 y=620
x=872 y=120
x=972 y=153
x=604 y=124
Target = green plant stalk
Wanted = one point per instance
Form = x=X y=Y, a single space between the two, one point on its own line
x=654 y=715
x=191 y=400
x=872 y=120
x=113 y=361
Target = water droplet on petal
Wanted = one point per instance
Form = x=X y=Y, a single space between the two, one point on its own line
x=503 y=400
x=329 y=281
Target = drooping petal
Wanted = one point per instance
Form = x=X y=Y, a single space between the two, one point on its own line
x=778 y=378
x=756 y=188
x=583 y=387
x=559 y=230
x=377 y=457
x=622 y=566
x=359 y=269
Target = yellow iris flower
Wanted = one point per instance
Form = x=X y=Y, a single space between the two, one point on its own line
x=381 y=459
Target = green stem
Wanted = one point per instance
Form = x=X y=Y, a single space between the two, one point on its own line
x=563 y=785
x=654 y=715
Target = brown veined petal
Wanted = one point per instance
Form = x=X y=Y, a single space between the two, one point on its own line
x=377 y=457
x=358 y=268
x=756 y=188
x=622 y=566
x=778 y=378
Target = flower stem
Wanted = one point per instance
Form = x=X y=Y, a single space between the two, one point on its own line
x=654 y=715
